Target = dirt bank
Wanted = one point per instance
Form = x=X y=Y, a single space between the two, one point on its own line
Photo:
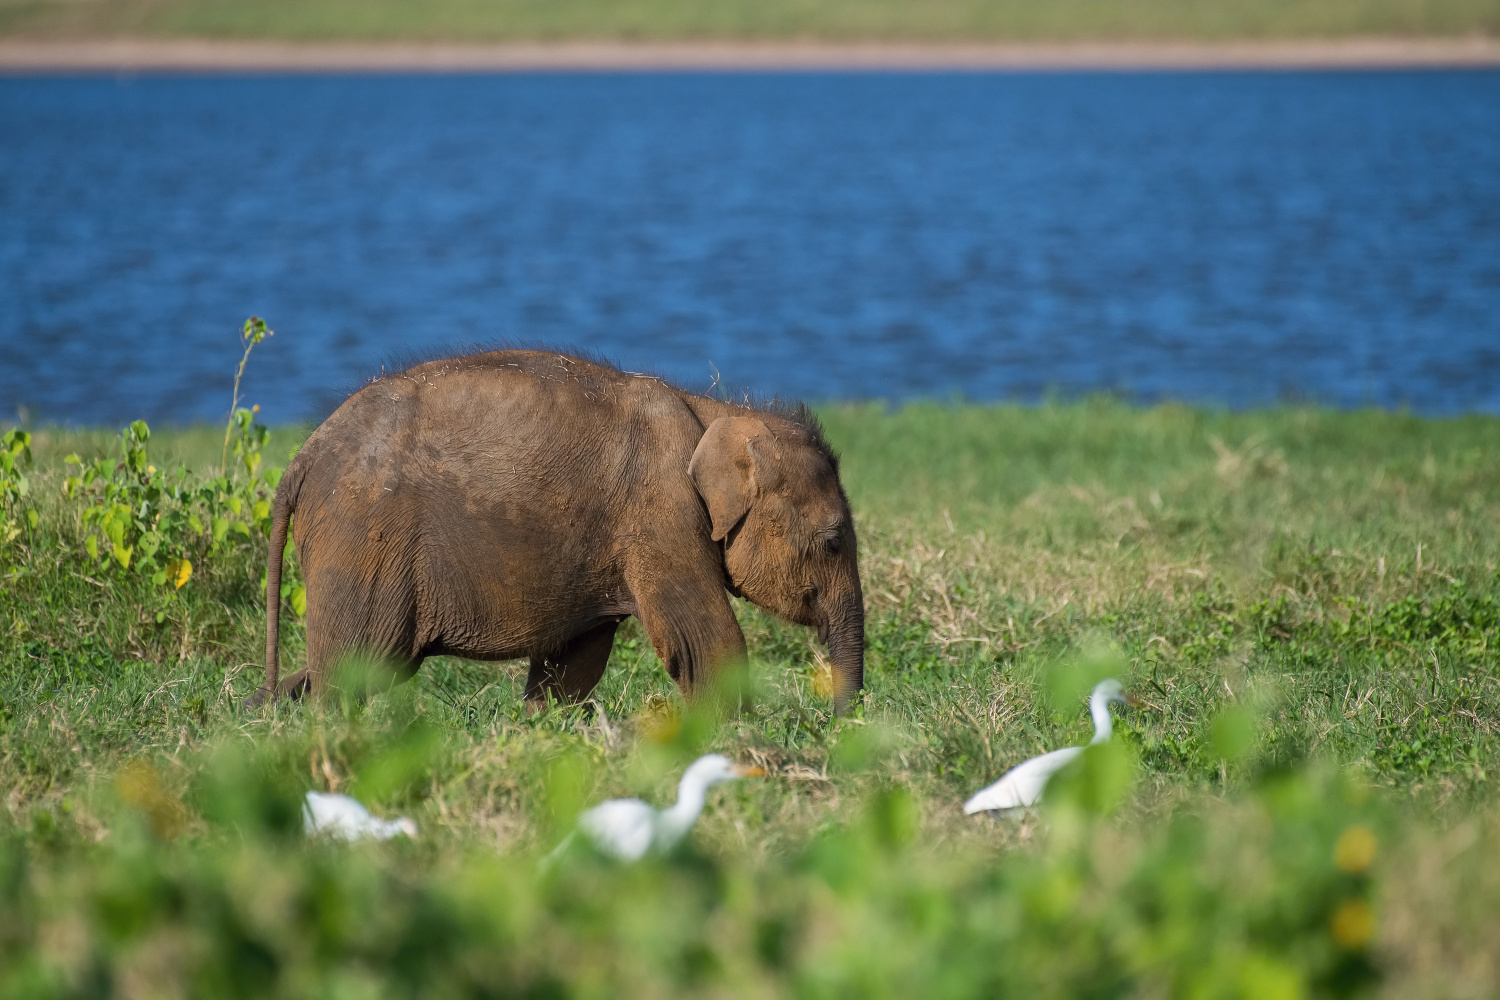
x=152 y=55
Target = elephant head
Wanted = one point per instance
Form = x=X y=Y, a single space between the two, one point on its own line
x=774 y=501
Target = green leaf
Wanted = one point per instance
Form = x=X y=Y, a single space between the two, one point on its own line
x=122 y=555
x=221 y=527
x=299 y=600
x=408 y=763
x=255 y=330
x=32 y=517
x=1233 y=733
x=1095 y=783
x=1265 y=977
x=148 y=544
x=195 y=525
x=17 y=442
x=1069 y=680
x=91 y=545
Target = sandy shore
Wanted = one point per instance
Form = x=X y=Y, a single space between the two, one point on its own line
x=142 y=55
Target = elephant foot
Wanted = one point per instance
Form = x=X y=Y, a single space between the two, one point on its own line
x=293 y=687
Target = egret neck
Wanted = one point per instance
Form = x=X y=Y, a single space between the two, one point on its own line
x=673 y=824
x=1099 y=708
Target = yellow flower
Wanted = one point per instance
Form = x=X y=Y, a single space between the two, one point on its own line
x=255 y=408
x=822 y=675
x=1353 y=924
x=150 y=468
x=138 y=785
x=1355 y=850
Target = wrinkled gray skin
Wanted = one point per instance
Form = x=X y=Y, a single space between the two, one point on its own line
x=523 y=503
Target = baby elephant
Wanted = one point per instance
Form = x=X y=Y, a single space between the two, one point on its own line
x=523 y=503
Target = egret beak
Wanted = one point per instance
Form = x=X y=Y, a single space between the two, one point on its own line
x=749 y=772
x=1134 y=702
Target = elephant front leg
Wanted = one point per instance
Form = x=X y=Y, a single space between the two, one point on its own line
x=697 y=638
x=569 y=674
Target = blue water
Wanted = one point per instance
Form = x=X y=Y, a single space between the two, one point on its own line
x=1227 y=238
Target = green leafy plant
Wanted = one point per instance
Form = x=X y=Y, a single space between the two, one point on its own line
x=253 y=332
x=162 y=525
x=15 y=456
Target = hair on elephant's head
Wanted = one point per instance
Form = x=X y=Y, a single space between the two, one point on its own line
x=774 y=500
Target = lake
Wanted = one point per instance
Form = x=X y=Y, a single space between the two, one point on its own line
x=1232 y=239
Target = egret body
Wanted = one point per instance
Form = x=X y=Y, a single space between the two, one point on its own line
x=629 y=829
x=1021 y=787
x=344 y=818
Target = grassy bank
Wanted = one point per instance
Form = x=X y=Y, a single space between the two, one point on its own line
x=846 y=20
x=1307 y=601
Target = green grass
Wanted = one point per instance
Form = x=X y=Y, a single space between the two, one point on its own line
x=1308 y=602
x=829 y=20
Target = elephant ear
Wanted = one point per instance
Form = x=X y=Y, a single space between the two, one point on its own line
x=724 y=468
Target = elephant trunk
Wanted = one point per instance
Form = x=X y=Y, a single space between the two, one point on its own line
x=846 y=649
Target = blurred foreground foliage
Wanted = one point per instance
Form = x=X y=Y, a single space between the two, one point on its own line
x=205 y=886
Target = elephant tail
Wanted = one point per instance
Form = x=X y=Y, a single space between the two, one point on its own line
x=281 y=517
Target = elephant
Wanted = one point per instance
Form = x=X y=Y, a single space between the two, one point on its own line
x=523 y=503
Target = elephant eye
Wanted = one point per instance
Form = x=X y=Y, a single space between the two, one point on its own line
x=831 y=544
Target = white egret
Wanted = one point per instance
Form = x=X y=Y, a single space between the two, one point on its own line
x=628 y=829
x=1022 y=786
x=344 y=818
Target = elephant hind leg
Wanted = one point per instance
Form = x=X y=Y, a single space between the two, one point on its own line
x=294 y=686
x=569 y=674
